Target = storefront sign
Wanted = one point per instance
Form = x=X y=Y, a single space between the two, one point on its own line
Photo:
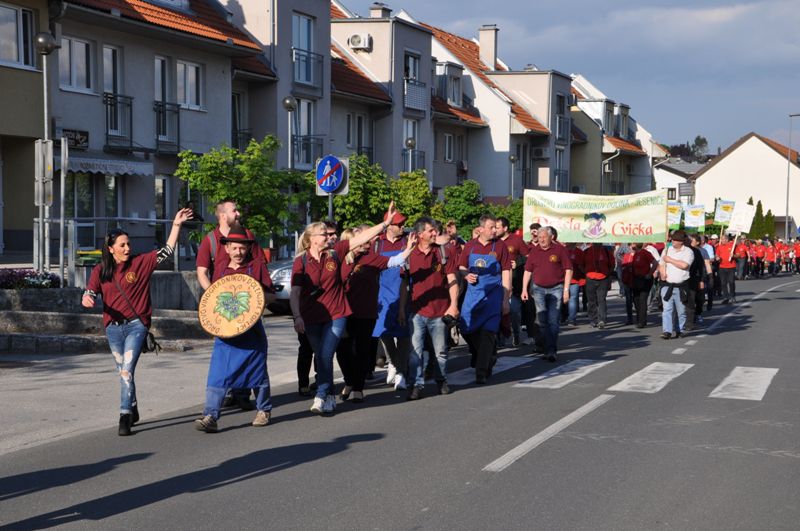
x=76 y=139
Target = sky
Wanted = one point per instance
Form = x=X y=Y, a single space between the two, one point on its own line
x=714 y=68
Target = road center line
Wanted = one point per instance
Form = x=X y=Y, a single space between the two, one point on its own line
x=679 y=351
x=504 y=461
x=722 y=319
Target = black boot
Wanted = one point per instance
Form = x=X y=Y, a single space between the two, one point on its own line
x=124 y=424
x=134 y=415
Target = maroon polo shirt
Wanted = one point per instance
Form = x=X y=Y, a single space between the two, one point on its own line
x=548 y=266
x=516 y=247
x=475 y=247
x=324 y=273
x=218 y=263
x=430 y=296
x=576 y=259
x=254 y=268
x=133 y=277
x=383 y=245
x=598 y=262
x=361 y=283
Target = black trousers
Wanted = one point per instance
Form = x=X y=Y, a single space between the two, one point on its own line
x=305 y=357
x=727 y=277
x=354 y=352
x=482 y=345
x=640 y=293
x=596 y=292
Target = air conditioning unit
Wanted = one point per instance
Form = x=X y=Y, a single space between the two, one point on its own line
x=541 y=153
x=360 y=41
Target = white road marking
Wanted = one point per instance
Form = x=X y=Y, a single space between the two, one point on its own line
x=652 y=378
x=691 y=343
x=504 y=363
x=722 y=319
x=563 y=375
x=797 y=291
x=745 y=383
x=504 y=461
x=702 y=336
x=679 y=351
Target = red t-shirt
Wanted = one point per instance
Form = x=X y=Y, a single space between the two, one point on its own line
x=724 y=253
x=254 y=268
x=741 y=250
x=576 y=258
x=598 y=262
x=361 y=283
x=324 y=273
x=797 y=250
x=133 y=277
x=427 y=276
x=770 y=254
x=219 y=262
x=476 y=247
x=761 y=251
x=516 y=247
x=548 y=266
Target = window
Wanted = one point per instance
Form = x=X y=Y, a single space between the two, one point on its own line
x=460 y=155
x=349 y=130
x=360 y=130
x=448 y=147
x=161 y=80
x=111 y=70
x=608 y=125
x=16 y=36
x=161 y=201
x=411 y=67
x=75 y=64
x=112 y=196
x=454 y=92
x=189 y=85
x=410 y=128
x=79 y=203
x=302 y=32
x=672 y=193
x=561 y=104
x=304 y=117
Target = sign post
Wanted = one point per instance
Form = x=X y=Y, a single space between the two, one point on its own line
x=331 y=178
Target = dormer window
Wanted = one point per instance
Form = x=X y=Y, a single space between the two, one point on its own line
x=608 y=123
x=454 y=91
x=448 y=77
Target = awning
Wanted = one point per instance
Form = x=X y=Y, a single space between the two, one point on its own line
x=105 y=163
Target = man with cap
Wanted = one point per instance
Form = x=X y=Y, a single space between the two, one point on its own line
x=393 y=336
x=239 y=362
x=674 y=273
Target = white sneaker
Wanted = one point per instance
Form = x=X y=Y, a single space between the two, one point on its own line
x=318 y=406
x=329 y=405
x=399 y=382
x=391 y=372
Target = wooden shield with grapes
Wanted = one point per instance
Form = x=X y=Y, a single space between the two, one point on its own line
x=231 y=306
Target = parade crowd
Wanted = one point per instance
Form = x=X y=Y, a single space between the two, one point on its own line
x=417 y=290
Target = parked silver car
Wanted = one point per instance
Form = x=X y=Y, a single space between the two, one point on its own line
x=281 y=273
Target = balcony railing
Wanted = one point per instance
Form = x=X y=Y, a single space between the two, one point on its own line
x=416 y=95
x=307 y=149
x=562 y=180
x=413 y=159
x=119 y=120
x=367 y=152
x=307 y=68
x=168 y=127
x=240 y=139
x=563 y=130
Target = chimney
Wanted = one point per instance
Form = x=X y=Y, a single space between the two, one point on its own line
x=487 y=39
x=379 y=10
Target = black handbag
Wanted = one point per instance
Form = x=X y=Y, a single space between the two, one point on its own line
x=150 y=344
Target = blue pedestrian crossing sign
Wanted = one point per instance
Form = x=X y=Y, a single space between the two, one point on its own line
x=331 y=175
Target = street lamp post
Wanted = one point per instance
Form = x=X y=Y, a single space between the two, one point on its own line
x=513 y=159
x=788 y=172
x=290 y=104
x=45 y=44
x=410 y=143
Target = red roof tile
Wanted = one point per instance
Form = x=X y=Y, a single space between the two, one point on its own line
x=337 y=13
x=468 y=53
x=470 y=115
x=347 y=78
x=203 y=20
x=625 y=145
x=253 y=65
x=777 y=146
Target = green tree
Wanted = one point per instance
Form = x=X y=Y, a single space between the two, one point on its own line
x=512 y=211
x=462 y=203
x=268 y=198
x=699 y=146
x=368 y=195
x=757 y=228
x=769 y=225
x=412 y=195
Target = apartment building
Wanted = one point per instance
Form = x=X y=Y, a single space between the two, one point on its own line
x=21 y=118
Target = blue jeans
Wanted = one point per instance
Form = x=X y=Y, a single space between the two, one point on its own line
x=548 y=312
x=126 y=341
x=418 y=358
x=572 y=305
x=672 y=306
x=216 y=395
x=324 y=338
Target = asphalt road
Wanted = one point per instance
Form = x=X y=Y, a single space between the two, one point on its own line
x=626 y=431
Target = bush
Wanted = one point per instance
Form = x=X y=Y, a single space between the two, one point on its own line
x=27 y=278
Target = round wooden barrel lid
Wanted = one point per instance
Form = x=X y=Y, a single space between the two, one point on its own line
x=231 y=306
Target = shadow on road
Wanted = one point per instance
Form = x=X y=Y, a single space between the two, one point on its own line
x=232 y=471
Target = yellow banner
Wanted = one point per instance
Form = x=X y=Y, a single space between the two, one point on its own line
x=599 y=218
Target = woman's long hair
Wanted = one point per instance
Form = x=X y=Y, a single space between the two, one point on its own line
x=305 y=239
x=108 y=265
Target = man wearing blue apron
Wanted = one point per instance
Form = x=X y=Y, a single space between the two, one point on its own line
x=486 y=267
x=394 y=337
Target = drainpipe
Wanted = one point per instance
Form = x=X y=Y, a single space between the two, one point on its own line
x=603 y=169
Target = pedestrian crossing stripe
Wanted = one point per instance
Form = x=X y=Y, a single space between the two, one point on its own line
x=652 y=378
x=563 y=375
x=745 y=383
